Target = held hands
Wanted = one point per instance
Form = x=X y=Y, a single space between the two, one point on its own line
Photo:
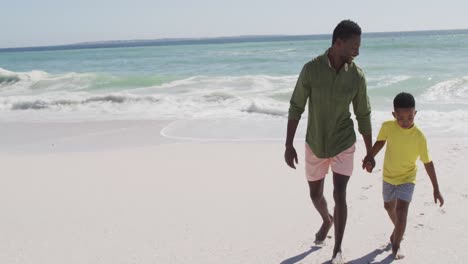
x=368 y=163
x=290 y=156
x=438 y=196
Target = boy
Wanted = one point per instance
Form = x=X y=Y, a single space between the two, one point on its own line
x=406 y=143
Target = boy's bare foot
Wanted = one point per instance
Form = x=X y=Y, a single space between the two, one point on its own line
x=323 y=231
x=338 y=259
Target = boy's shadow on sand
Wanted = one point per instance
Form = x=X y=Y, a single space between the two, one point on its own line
x=300 y=257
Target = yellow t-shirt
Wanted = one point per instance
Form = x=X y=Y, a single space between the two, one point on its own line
x=404 y=146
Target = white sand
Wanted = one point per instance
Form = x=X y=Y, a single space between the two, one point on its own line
x=117 y=192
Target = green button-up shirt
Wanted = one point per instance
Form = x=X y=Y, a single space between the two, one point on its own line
x=330 y=129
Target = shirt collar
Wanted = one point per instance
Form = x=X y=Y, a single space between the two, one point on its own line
x=346 y=65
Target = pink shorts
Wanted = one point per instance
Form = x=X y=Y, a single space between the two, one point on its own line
x=317 y=168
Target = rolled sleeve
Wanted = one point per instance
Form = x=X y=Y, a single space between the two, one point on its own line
x=362 y=108
x=300 y=95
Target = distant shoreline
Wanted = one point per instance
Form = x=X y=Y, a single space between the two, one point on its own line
x=218 y=40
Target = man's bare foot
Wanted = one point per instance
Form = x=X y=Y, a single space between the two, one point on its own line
x=397 y=254
x=323 y=231
x=338 y=258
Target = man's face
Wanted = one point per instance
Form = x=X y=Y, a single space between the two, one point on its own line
x=405 y=117
x=349 y=48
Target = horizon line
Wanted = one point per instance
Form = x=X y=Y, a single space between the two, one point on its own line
x=194 y=40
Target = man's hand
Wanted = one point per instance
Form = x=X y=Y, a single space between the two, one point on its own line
x=368 y=163
x=290 y=156
x=438 y=196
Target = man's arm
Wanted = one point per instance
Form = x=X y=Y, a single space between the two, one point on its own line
x=292 y=126
x=432 y=175
x=368 y=159
x=362 y=110
x=296 y=108
x=368 y=142
x=290 y=154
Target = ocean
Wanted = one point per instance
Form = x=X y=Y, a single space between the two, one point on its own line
x=233 y=90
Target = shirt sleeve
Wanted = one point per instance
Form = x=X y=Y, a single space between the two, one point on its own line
x=362 y=108
x=300 y=95
x=383 y=133
x=423 y=150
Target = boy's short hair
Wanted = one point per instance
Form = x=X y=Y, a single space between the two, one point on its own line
x=346 y=29
x=404 y=100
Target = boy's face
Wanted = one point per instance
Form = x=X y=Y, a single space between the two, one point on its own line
x=405 y=117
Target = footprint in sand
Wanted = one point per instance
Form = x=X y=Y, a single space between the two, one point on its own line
x=454 y=148
x=366 y=187
x=363 y=197
x=465 y=196
x=419 y=226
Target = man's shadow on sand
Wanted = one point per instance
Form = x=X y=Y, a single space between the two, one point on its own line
x=367 y=259
x=300 y=257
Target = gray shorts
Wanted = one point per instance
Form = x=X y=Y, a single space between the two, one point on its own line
x=392 y=192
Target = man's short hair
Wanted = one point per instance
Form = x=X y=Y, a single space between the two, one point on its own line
x=404 y=100
x=345 y=30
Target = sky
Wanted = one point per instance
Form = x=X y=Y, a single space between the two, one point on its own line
x=27 y=23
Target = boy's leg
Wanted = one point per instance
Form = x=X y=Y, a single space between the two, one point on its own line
x=340 y=183
x=402 y=215
x=316 y=194
x=390 y=207
x=389 y=192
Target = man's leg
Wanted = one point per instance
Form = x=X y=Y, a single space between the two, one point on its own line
x=401 y=217
x=316 y=194
x=340 y=182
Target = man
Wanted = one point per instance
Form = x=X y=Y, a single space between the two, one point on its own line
x=331 y=82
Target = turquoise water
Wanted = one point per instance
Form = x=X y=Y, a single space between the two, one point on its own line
x=231 y=85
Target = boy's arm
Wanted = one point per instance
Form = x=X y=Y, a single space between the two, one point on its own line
x=366 y=163
x=378 y=145
x=432 y=175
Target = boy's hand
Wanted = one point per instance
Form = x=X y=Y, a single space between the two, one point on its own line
x=438 y=196
x=368 y=163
